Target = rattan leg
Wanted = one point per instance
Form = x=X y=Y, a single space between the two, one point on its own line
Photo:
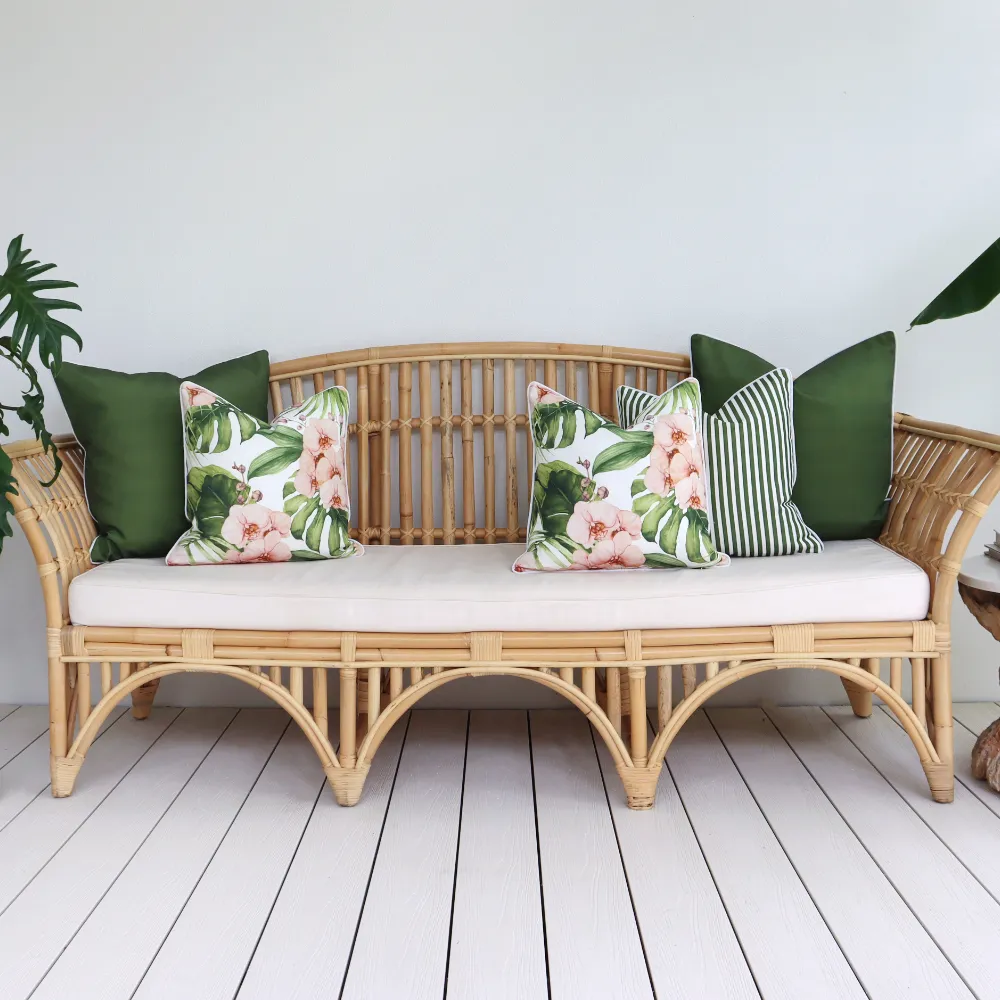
x=142 y=698
x=347 y=783
x=861 y=700
x=943 y=732
x=58 y=716
x=640 y=785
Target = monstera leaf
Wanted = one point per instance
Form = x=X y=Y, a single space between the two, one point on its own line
x=34 y=329
x=976 y=287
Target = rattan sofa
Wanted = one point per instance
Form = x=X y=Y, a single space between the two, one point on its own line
x=440 y=457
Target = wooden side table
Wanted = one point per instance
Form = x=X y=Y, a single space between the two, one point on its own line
x=979 y=586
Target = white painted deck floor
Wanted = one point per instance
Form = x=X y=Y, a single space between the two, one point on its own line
x=792 y=853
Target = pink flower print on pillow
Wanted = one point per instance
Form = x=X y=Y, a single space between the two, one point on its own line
x=333 y=493
x=197 y=396
x=314 y=472
x=690 y=493
x=616 y=552
x=259 y=532
x=675 y=431
x=594 y=522
x=538 y=393
x=320 y=436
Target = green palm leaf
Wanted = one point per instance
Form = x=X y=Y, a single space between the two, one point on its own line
x=976 y=287
x=34 y=328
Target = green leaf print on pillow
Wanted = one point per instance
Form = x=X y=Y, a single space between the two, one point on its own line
x=607 y=497
x=271 y=492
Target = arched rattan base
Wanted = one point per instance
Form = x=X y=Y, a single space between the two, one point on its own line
x=638 y=770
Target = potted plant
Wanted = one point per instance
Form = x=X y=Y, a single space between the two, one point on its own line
x=34 y=330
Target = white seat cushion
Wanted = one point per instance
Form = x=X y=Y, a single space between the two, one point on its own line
x=459 y=588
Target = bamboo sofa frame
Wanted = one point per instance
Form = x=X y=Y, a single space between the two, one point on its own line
x=944 y=480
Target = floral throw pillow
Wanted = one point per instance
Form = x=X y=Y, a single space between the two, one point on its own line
x=610 y=497
x=259 y=492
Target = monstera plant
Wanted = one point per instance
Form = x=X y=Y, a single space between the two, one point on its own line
x=34 y=331
x=976 y=287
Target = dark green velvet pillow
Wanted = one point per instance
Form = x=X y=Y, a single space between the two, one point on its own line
x=842 y=411
x=130 y=429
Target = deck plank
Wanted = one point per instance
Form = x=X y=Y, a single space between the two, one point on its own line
x=25 y=777
x=691 y=947
x=39 y=924
x=789 y=947
x=209 y=947
x=967 y=826
x=402 y=940
x=594 y=945
x=37 y=833
x=901 y=961
x=112 y=950
x=20 y=728
x=497 y=883
x=958 y=913
x=307 y=942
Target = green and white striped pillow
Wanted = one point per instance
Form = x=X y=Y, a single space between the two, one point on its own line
x=750 y=454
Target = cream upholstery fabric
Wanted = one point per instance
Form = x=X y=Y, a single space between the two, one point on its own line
x=462 y=588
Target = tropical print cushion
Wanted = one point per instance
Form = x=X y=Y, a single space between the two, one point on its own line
x=750 y=446
x=264 y=492
x=610 y=497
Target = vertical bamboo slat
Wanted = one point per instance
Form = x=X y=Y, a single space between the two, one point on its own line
x=638 y=726
x=617 y=379
x=395 y=682
x=605 y=390
x=510 y=456
x=588 y=682
x=275 y=674
x=364 y=465
x=374 y=694
x=529 y=376
x=551 y=377
x=106 y=678
x=468 y=461
x=406 y=453
x=426 y=456
x=664 y=695
x=447 y=455
x=296 y=683
x=375 y=451
x=489 y=449
x=919 y=680
x=416 y=675
x=348 y=716
x=689 y=674
x=298 y=394
x=661 y=381
x=124 y=671
x=320 y=700
x=319 y=382
x=711 y=669
x=385 y=456
x=896 y=674
x=614 y=681
x=566 y=673
x=593 y=386
x=82 y=692
x=276 y=400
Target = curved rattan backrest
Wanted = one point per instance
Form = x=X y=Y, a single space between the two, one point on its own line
x=55 y=518
x=439 y=446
